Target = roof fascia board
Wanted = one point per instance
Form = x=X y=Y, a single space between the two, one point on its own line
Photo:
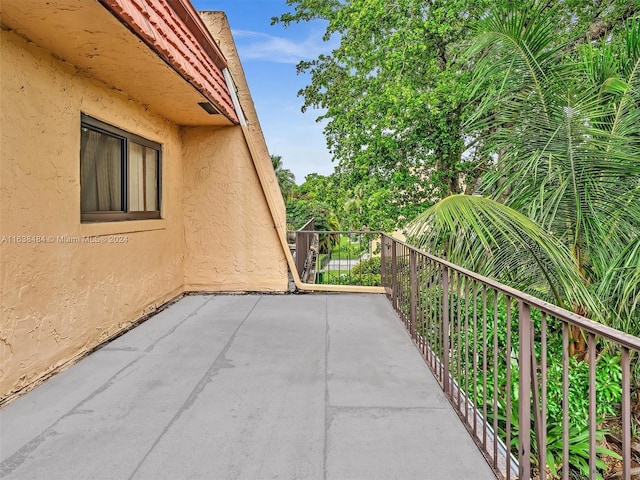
x=231 y=85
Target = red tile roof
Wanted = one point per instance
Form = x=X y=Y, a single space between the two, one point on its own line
x=174 y=30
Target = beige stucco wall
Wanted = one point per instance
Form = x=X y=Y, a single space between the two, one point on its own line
x=234 y=240
x=62 y=295
x=231 y=242
x=59 y=298
x=218 y=25
x=65 y=287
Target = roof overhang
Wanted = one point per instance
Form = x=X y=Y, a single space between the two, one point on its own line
x=158 y=52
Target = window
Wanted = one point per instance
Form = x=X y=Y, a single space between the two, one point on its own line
x=119 y=174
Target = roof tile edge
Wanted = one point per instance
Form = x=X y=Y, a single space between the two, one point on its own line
x=201 y=63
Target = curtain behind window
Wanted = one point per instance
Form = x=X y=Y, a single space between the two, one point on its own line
x=143 y=178
x=100 y=172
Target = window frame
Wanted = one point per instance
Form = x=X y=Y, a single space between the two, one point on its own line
x=126 y=137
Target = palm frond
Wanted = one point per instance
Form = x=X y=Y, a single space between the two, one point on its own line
x=622 y=283
x=516 y=51
x=500 y=242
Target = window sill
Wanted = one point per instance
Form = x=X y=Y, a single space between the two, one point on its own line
x=125 y=226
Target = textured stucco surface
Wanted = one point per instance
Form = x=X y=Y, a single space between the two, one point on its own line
x=218 y=25
x=230 y=238
x=61 y=297
x=87 y=35
x=231 y=235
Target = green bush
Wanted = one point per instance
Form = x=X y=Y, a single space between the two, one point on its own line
x=365 y=273
x=371 y=266
x=365 y=280
x=608 y=375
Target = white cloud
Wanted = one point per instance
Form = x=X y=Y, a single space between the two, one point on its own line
x=262 y=46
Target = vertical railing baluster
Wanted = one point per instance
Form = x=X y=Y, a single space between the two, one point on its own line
x=458 y=348
x=424 y=290
x=542 y=445
x=524 y=405
x=402 y=280
x=535 y=387
x=626 y=416
x=383 y=263
x=445 y=328
x=394 y=275
x=474 y=394
x=593 y=469
x=466 y=350
x=508 y=390
x=437 y=310
x=565 y=401
x=485 y=346
x=422 y=306
x=440 y=321
x=413 y=297
x=495 y=379
x=420 y=315
x=433 y=315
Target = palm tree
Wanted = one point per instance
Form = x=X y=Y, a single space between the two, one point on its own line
x=560 y=214
x=286 y=179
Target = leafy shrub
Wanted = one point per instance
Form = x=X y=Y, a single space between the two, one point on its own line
x=365 y=279
x=365 y=273
x=608 y=379
x=371 y=266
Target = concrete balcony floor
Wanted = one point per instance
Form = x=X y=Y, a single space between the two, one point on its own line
x=245 y=387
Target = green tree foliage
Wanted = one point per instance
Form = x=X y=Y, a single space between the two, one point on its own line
x=395 y=94
x=316 y=199
x=560 y=214
x=286 y=179
x=593 y=20
x=396 y=97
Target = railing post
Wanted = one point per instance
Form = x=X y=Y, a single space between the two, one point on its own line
x=414 y=292
x=524 y=402
x=300 y=256
x=394 y=275
x=445 y=329
x=626 y=415
x=303 y=244
x=383 y=262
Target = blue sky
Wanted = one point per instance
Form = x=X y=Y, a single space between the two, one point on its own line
x=269 y=55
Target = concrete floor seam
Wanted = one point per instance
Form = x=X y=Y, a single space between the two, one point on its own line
x=193 y=395
x=327 y=418
x=176 y=326
x=242 y=390
x=14 y=461
x=355 y=408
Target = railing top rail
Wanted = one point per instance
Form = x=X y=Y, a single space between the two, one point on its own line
x=622 y=338
x=307 y=226
x=344 y=232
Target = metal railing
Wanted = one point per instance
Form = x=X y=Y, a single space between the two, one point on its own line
x=304 y=252
x=544 y=393
x=338 y=257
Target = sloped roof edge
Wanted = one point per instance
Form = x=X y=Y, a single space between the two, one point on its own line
x=174 y=30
